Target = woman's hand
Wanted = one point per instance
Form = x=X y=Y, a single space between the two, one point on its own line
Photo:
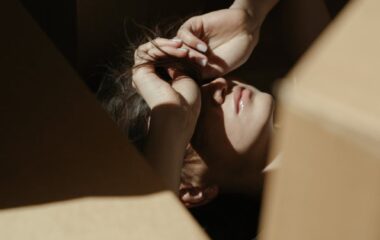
x=180 y=96
x=227 y=36
x=230 y=35
x=175 y=107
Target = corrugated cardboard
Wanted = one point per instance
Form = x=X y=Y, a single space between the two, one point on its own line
x=66 y=171
x=328 y=185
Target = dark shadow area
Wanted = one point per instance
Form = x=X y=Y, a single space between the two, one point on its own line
x=335 y=6
x=230 y=217
x=58 y=20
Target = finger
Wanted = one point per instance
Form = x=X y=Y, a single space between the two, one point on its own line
x=198 y=57
x=182 y=52
x=160 y=42
x=157 y=53
x=190 y=32
x=151 y=87
x=141 y=56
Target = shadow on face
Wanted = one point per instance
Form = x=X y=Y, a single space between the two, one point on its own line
x=230 y=143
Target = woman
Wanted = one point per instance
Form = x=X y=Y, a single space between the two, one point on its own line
x=163 y=109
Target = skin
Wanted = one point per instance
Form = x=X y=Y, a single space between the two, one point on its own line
x=226 y=37
x=239 y=126
x=232 y=145
x=174 y=105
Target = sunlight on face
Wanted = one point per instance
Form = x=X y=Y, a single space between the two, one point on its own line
x=232 y=131
x=235 y=117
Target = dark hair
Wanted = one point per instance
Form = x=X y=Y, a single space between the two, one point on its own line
x=121 y=100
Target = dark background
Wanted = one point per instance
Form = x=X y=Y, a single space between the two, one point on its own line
x=91 y=34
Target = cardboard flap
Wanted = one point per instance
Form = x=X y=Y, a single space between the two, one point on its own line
x=342 y=71
x=327 y=186
x=67 y=172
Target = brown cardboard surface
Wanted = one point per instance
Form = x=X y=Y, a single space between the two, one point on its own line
x=343 y=64
x=328 y=184
x=66 y=171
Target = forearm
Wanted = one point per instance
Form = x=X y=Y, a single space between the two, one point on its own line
x=164 y=149
x=259 y=8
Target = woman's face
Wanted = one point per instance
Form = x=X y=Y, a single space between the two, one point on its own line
x=234 y=124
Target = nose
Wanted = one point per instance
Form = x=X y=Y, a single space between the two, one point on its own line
x=219 y=88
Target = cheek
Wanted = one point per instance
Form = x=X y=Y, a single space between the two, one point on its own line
x=244 y=130
x=239 y=135
x=236 y=129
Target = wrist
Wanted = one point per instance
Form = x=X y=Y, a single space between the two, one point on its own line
x=257 y=9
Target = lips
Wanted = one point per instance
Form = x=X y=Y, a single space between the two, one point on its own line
x=241 y=97
x=237 y=97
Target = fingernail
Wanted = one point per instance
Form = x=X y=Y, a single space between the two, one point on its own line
x=176 y=40
x=183 y=49
x=201 y=47
x=202 y=62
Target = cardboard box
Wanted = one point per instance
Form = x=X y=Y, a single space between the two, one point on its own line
x=328 y=184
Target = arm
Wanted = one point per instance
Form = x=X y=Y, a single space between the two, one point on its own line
x=165 y=146
x=175 y=107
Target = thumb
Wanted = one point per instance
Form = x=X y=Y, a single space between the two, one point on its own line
x=187 y=88
x=190 y=33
